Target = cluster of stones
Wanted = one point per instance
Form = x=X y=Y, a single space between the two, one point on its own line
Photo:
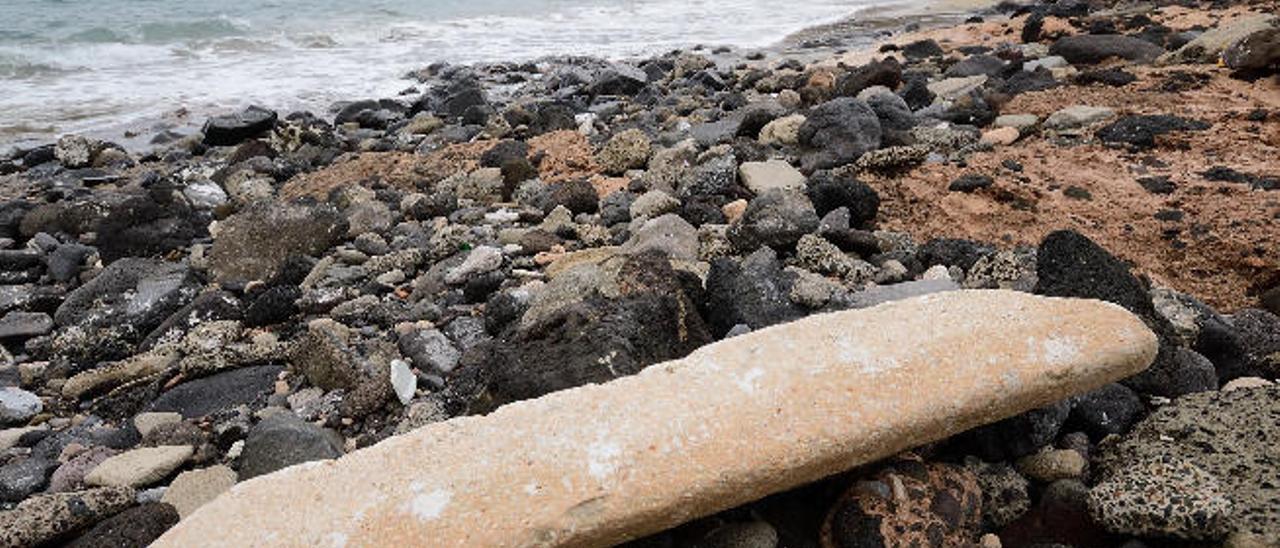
x=285 y=289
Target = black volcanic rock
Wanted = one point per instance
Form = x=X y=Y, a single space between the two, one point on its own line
x=1140 y=131
x=233 y=129
x=1095 y=48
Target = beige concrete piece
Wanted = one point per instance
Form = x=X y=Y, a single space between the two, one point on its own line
x=733 y=422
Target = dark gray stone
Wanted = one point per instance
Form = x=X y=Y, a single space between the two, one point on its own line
x=1258 y=333
x=753 y=292
x=430 y=350
x=838 y=132
x=970 y=182
x=922 y=49
x=20 y=479
x=66 y=261
x=829 y=192
x=1095 y=48
x=232 y=129
x=20 y=259
x=892 y=111
x=137 y=292
x=1177 y=371
x=136 y=527
x=148 y=224
x=952 y=252
x=777 y=218
x=89 y=433
x=282 y=440
x=757 y=115
x=1017 y=436
x=594 y=339
x=1140 y=131
x=709 y=134
x=466 y=331
x=716 y=176
x=1111 y=409
x=885 y=72
x=974 y=65
x=578 y=196
x=616 y=208
x=200 y=397
x=619 y=80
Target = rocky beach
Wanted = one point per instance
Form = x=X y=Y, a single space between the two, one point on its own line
x=1003 y=280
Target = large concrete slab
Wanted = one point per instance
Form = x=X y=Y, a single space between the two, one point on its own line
x=733 y=422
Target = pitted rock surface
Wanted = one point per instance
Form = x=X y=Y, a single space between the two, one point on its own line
x=1232 y=436
x=1162 y=497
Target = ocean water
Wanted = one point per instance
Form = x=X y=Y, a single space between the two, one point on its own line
x=82 y=66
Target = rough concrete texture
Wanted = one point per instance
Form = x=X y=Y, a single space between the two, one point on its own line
x=732 y=422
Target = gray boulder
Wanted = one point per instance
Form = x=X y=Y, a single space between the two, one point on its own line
x=669 y=234
x=754 y=292
x=429 y=350
x=256 y=243
x=1096 y=48
x=282 y=440
x=777 y=218
x=232 y=129
x=1256 y=51
x=103 y=319
x=838 y=132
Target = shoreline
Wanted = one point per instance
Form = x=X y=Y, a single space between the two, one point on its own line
x=852 y=31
